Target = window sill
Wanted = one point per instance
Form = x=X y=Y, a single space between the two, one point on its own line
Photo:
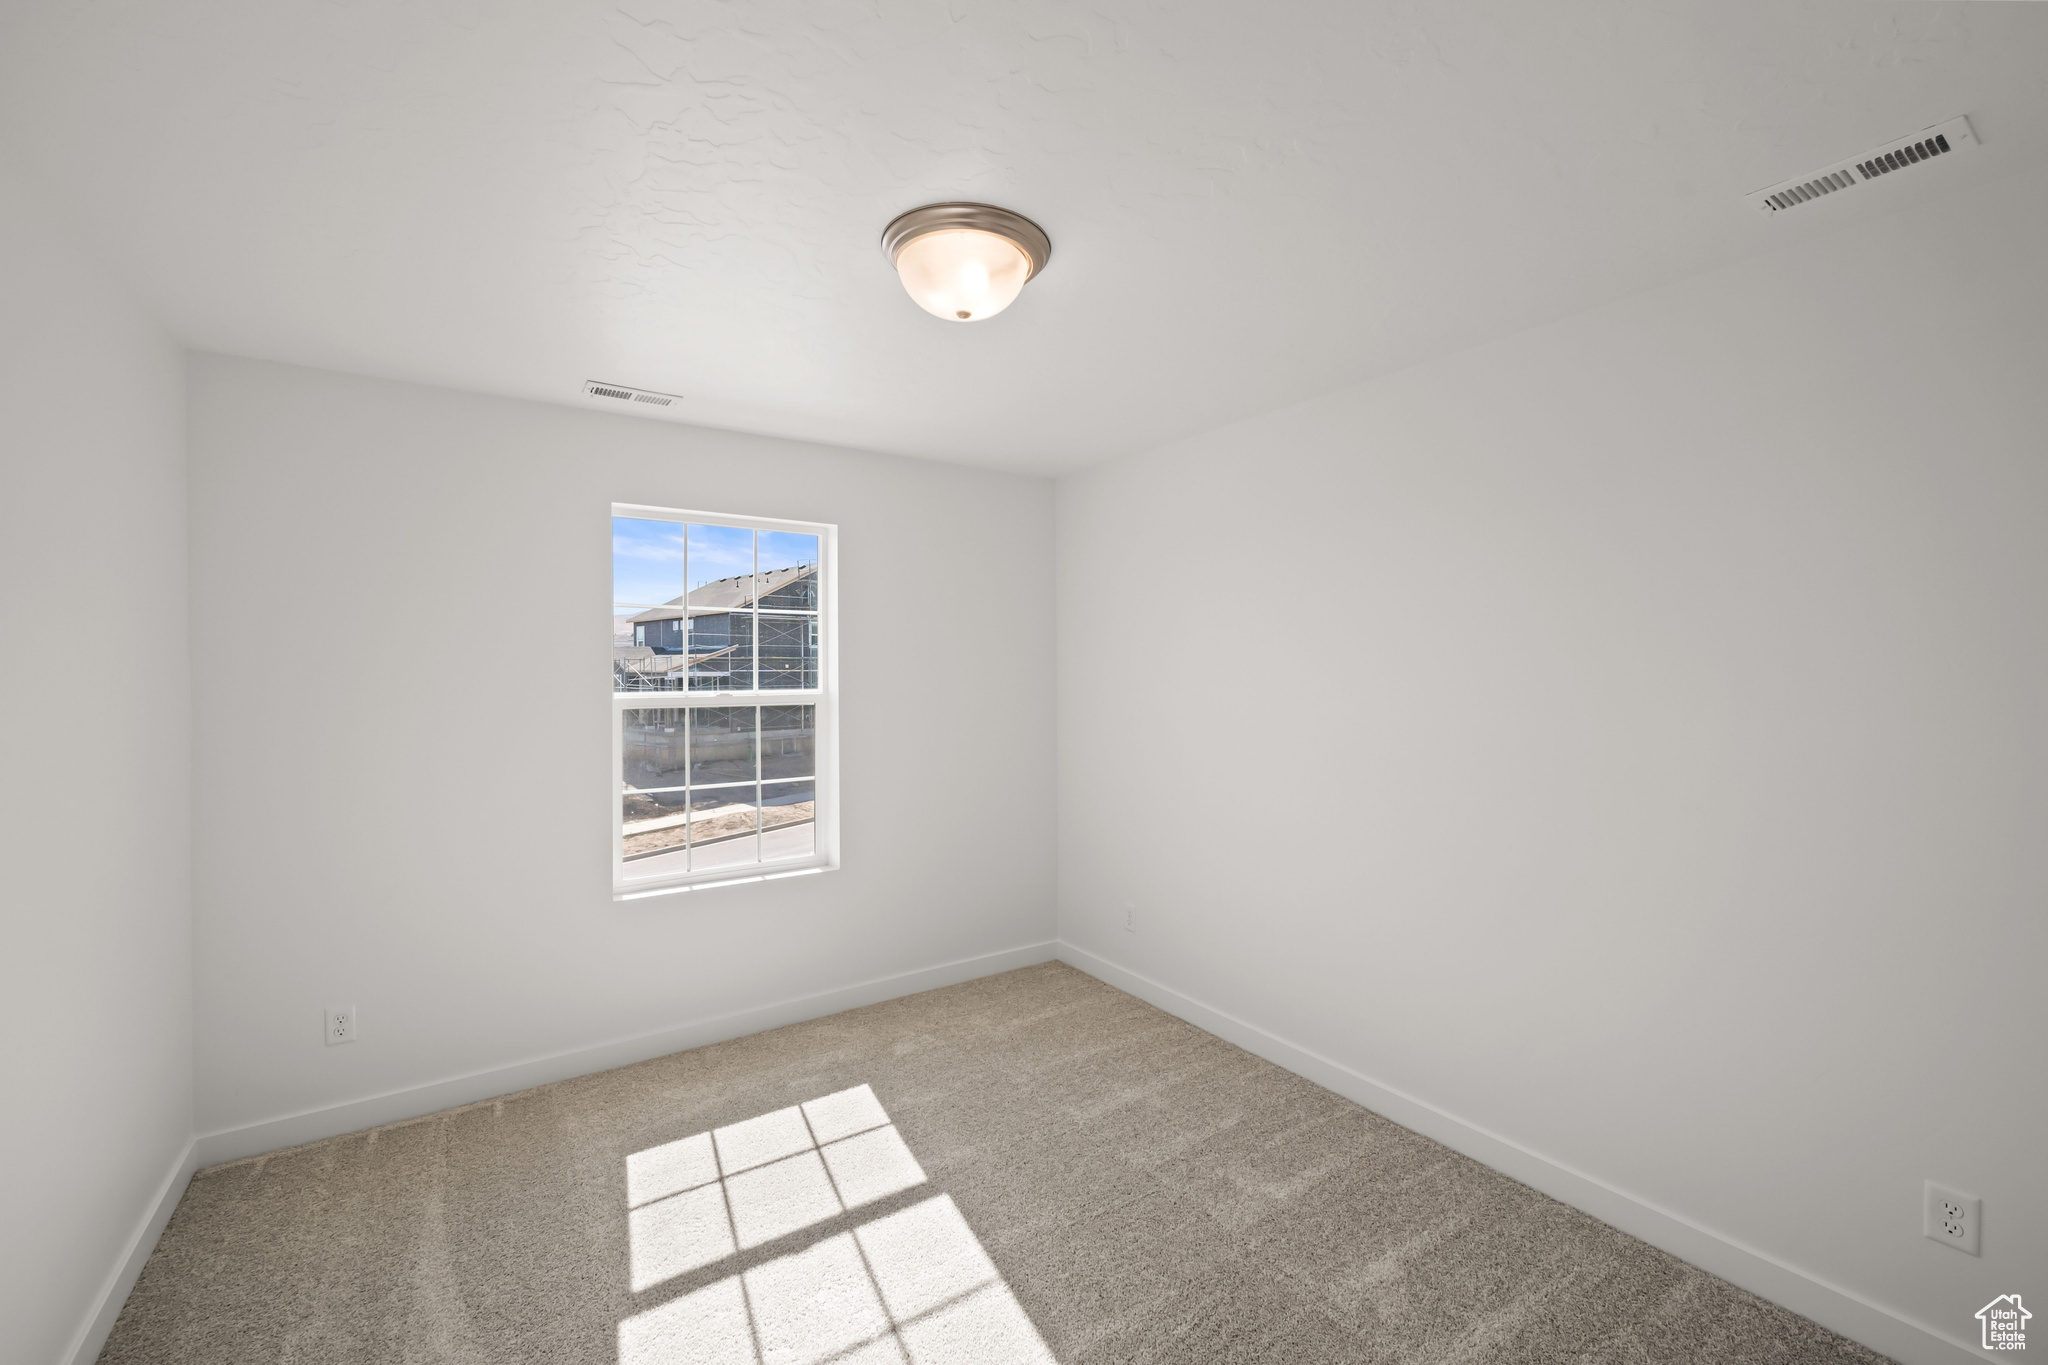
x=712 y=880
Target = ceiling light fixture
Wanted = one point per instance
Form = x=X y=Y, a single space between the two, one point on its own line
x=965 y=262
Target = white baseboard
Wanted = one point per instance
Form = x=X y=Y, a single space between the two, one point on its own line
x=1831 y=1306
x=292 y=1130
x=99 y=1320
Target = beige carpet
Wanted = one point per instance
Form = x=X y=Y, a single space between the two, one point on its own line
x=1028 y=1167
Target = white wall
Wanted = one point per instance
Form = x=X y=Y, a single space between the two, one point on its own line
x=401 y=665
x=1630 y=738
x=95 y=917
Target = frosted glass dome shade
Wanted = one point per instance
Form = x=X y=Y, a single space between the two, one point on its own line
x=963 y=274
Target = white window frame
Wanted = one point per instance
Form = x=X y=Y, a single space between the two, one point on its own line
x=825 y=697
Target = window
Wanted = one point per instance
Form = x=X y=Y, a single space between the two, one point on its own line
x=722 y=704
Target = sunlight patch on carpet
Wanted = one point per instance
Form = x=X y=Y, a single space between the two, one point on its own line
x=912 y=1287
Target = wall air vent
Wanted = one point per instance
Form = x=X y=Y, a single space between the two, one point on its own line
x=1941 y=140
x=624 y=394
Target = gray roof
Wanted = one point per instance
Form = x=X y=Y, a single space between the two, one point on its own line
x=727 y=594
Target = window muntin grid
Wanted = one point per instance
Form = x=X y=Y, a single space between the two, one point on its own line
x=718 y=694
x=709 y=607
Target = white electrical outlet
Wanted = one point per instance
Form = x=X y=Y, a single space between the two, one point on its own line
x=341 y=1024
x=1952 y=1217
x=1130 y=917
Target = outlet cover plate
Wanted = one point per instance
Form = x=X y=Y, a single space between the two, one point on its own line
x=341 y=1024
x=1952 y=1218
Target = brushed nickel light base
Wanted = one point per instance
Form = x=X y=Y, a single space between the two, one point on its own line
x=1028 y=236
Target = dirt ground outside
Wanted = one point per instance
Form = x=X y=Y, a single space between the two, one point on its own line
x=731 y=822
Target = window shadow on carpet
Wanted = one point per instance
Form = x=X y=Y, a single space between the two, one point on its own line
x=809 y=1236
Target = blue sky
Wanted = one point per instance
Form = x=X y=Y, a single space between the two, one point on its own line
x=647 y=556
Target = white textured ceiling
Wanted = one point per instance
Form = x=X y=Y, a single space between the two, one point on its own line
x=1249 y=202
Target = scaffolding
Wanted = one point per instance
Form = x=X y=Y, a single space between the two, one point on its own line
x=735 y=634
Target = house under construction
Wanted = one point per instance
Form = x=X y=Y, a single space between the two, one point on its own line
x=732 y=634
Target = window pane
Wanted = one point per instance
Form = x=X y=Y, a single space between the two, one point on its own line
x=789 y=651
x=658 y=864
x=654 y=824
x=647 y=562
x=722 y=744
x=723 y=827
x=721 y=566
x=789 y=571
x=647 y=632
x=651 y=656
x=789 y=815
x=721 y=650
x=789 y=741
x=654 y=752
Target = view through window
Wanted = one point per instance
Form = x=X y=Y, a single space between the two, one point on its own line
x=718 y=688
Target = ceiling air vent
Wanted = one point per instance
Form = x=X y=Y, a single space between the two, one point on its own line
x=628 y=395
x=1926 y=145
